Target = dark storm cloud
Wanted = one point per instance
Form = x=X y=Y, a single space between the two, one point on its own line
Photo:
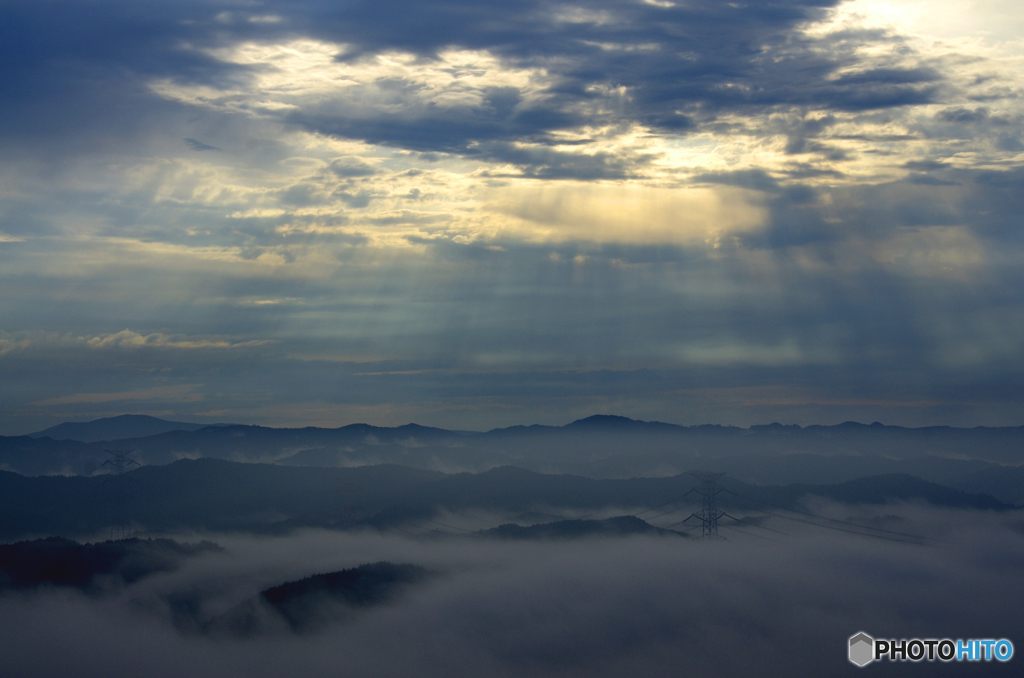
x=1001 y=131
x=346 y=168
x=754 y=179
x=933 y=193
x=782 y=606
x=74 y=73
x=682 y=66
x=547 y=163
x=80 y=73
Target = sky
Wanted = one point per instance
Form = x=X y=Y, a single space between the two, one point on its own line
x=474 y=214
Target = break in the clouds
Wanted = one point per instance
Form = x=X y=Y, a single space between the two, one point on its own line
x=474 y=214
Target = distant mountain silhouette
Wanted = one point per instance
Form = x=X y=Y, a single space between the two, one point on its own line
x=114 y=428
x=605 y=421
x=216 y=495
x=204 y=495
x=62 y=562
x=601 y=446
x=619 y=526
x=39 y=456
x=1003 y=482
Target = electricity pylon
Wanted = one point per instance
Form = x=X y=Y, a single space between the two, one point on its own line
x=709 y=513
x=121 y=499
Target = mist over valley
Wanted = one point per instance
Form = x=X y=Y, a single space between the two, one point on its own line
x=245 y=562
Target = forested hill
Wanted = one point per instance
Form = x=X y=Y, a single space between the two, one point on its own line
x=217 y=495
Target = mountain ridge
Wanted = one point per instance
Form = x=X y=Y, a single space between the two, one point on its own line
x=600 y=446
x=212 y=495
x=114 y=428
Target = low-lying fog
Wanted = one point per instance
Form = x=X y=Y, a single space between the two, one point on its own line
x=776 y=604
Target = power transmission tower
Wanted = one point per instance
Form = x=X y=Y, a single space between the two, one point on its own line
x=709 y=513
x=121 y=498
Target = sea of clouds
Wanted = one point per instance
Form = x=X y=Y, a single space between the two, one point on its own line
x=781 y=604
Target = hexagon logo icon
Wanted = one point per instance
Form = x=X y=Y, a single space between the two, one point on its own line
x=862 y=649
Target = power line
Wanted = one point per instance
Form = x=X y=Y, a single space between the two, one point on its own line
x=668 y=512
x=841 y=529
x=709 y=513
x=450 y=527
x=121 y=498
x=903 y=537
x=762 y=527
x=407 y=533
x=841 y=522
x=749 y=534
x=431 y=529
x=671 y=501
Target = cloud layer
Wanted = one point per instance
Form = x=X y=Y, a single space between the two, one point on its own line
x=474 y=214
x=594 y=608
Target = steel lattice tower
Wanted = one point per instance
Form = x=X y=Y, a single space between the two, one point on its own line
x=121 y=499
x=709 y=513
